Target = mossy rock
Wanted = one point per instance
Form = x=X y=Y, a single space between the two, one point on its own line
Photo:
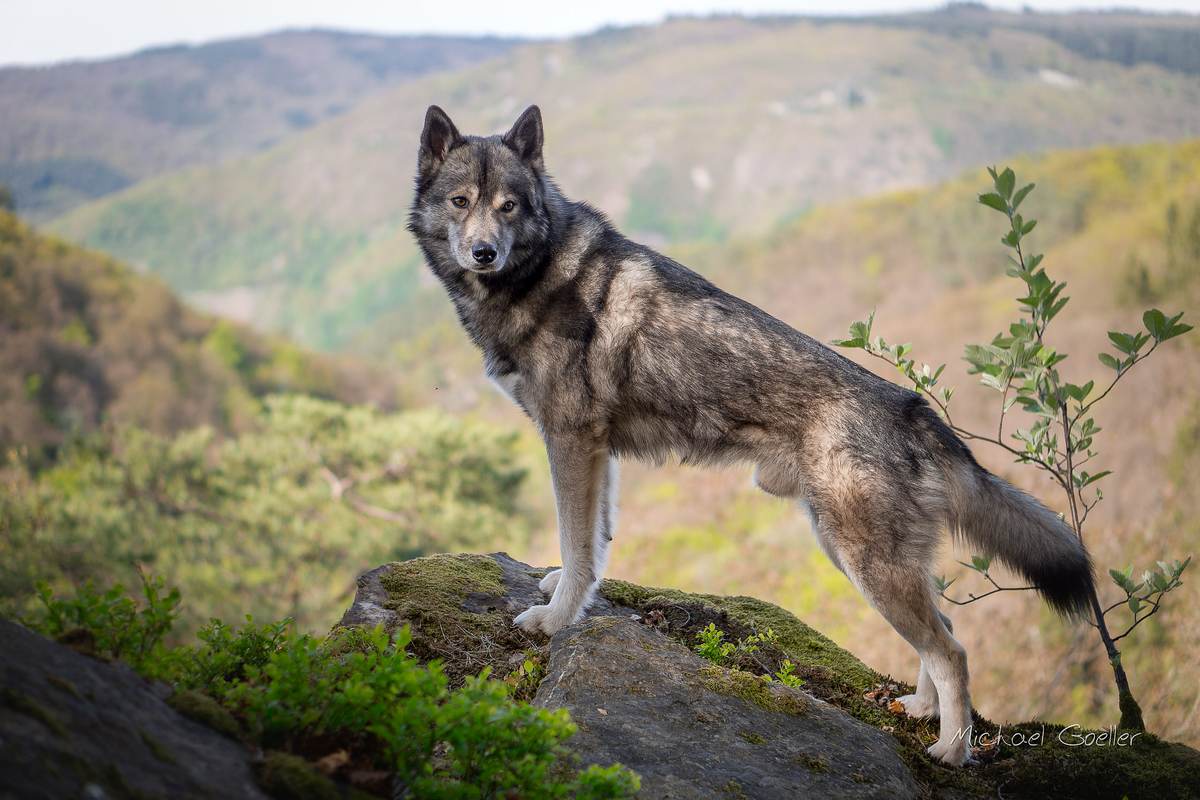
x=205 y=710
x=288 y=777
x=461 y=607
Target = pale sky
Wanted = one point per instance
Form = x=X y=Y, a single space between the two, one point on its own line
x=44 y=31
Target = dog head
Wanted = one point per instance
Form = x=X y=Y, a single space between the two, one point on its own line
x=480 y=203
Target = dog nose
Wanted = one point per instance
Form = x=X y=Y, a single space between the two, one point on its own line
x=484 y=253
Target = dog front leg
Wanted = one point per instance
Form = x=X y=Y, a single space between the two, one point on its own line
x=578 y=466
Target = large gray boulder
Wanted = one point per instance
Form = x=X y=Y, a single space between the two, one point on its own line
x=694 y=730
x=72 y=726
x=640 y=696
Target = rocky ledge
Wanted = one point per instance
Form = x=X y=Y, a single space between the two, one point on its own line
x=640 y=695
x=72 y=726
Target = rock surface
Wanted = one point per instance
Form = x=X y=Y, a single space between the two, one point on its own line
x=640 y=696
x=649 y=703
x=75 y=727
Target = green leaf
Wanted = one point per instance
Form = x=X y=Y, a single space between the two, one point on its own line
x=1110 y=362
x=1134 y=604
x=1176 y=330
x=1156 y=322
x=1123 y=342
x=1005 y=182
x=993 y=200
x=1020 y=195
x=1120 y=579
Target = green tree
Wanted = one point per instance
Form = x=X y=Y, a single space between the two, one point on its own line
x=277 y=522
x=1022 y=366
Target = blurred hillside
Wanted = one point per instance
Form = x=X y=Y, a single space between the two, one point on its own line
x=76 y=131
x=85 y=341
x=695 y=130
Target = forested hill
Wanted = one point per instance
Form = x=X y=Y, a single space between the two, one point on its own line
x=85 y=340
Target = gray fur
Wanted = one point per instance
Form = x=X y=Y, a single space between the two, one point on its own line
x=614 y=350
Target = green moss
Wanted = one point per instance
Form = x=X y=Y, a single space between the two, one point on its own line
x=1148 y=768
x=288 y=777
x=752 y=688
x=24 y=704
x=205 y=710
x=802 y=644
x=734 y=790
x=817 y=764
x=429 y=593
x=157 y=748
x=752 y=737
x=434 y=587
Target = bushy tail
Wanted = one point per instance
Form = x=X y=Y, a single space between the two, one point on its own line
x=1002 y=521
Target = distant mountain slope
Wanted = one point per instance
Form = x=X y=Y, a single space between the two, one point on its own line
x=75 y=131
x=1125 y=36
x=83 y=340
x=694 y=130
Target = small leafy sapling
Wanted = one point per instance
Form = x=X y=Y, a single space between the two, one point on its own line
x=1059 y=431
x=711 y=644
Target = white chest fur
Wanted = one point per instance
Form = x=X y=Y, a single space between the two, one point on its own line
x=510 y=384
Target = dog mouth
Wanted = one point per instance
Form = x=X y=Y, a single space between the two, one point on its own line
x=483 y=269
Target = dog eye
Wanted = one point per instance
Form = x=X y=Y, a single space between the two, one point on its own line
x=459 y=202
x=509 y=205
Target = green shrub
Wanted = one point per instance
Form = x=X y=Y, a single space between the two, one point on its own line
x=295 y=694
x=110 y=624
x=711 y=644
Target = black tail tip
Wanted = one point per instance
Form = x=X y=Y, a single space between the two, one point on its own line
x=1067 y=586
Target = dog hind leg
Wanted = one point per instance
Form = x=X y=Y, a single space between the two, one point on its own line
x=924 y=702
x=901 y=591
x=906 y=602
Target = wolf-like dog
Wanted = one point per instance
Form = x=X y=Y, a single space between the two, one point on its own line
x=614 y=350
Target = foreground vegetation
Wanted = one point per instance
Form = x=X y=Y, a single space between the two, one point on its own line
x=353 y=697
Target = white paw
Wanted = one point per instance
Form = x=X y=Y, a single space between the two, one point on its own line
x=915 y=706
x=549 y=583
x=543 y=619
x=952 y=752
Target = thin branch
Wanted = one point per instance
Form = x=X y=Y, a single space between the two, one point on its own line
x=1021 y=455
x=1003 y=408
x=340 y=488
x=1138 y=621
x=989 y=593
x=1083 y=409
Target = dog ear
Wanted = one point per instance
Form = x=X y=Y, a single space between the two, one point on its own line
x=437 y=138
x=525 y=137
